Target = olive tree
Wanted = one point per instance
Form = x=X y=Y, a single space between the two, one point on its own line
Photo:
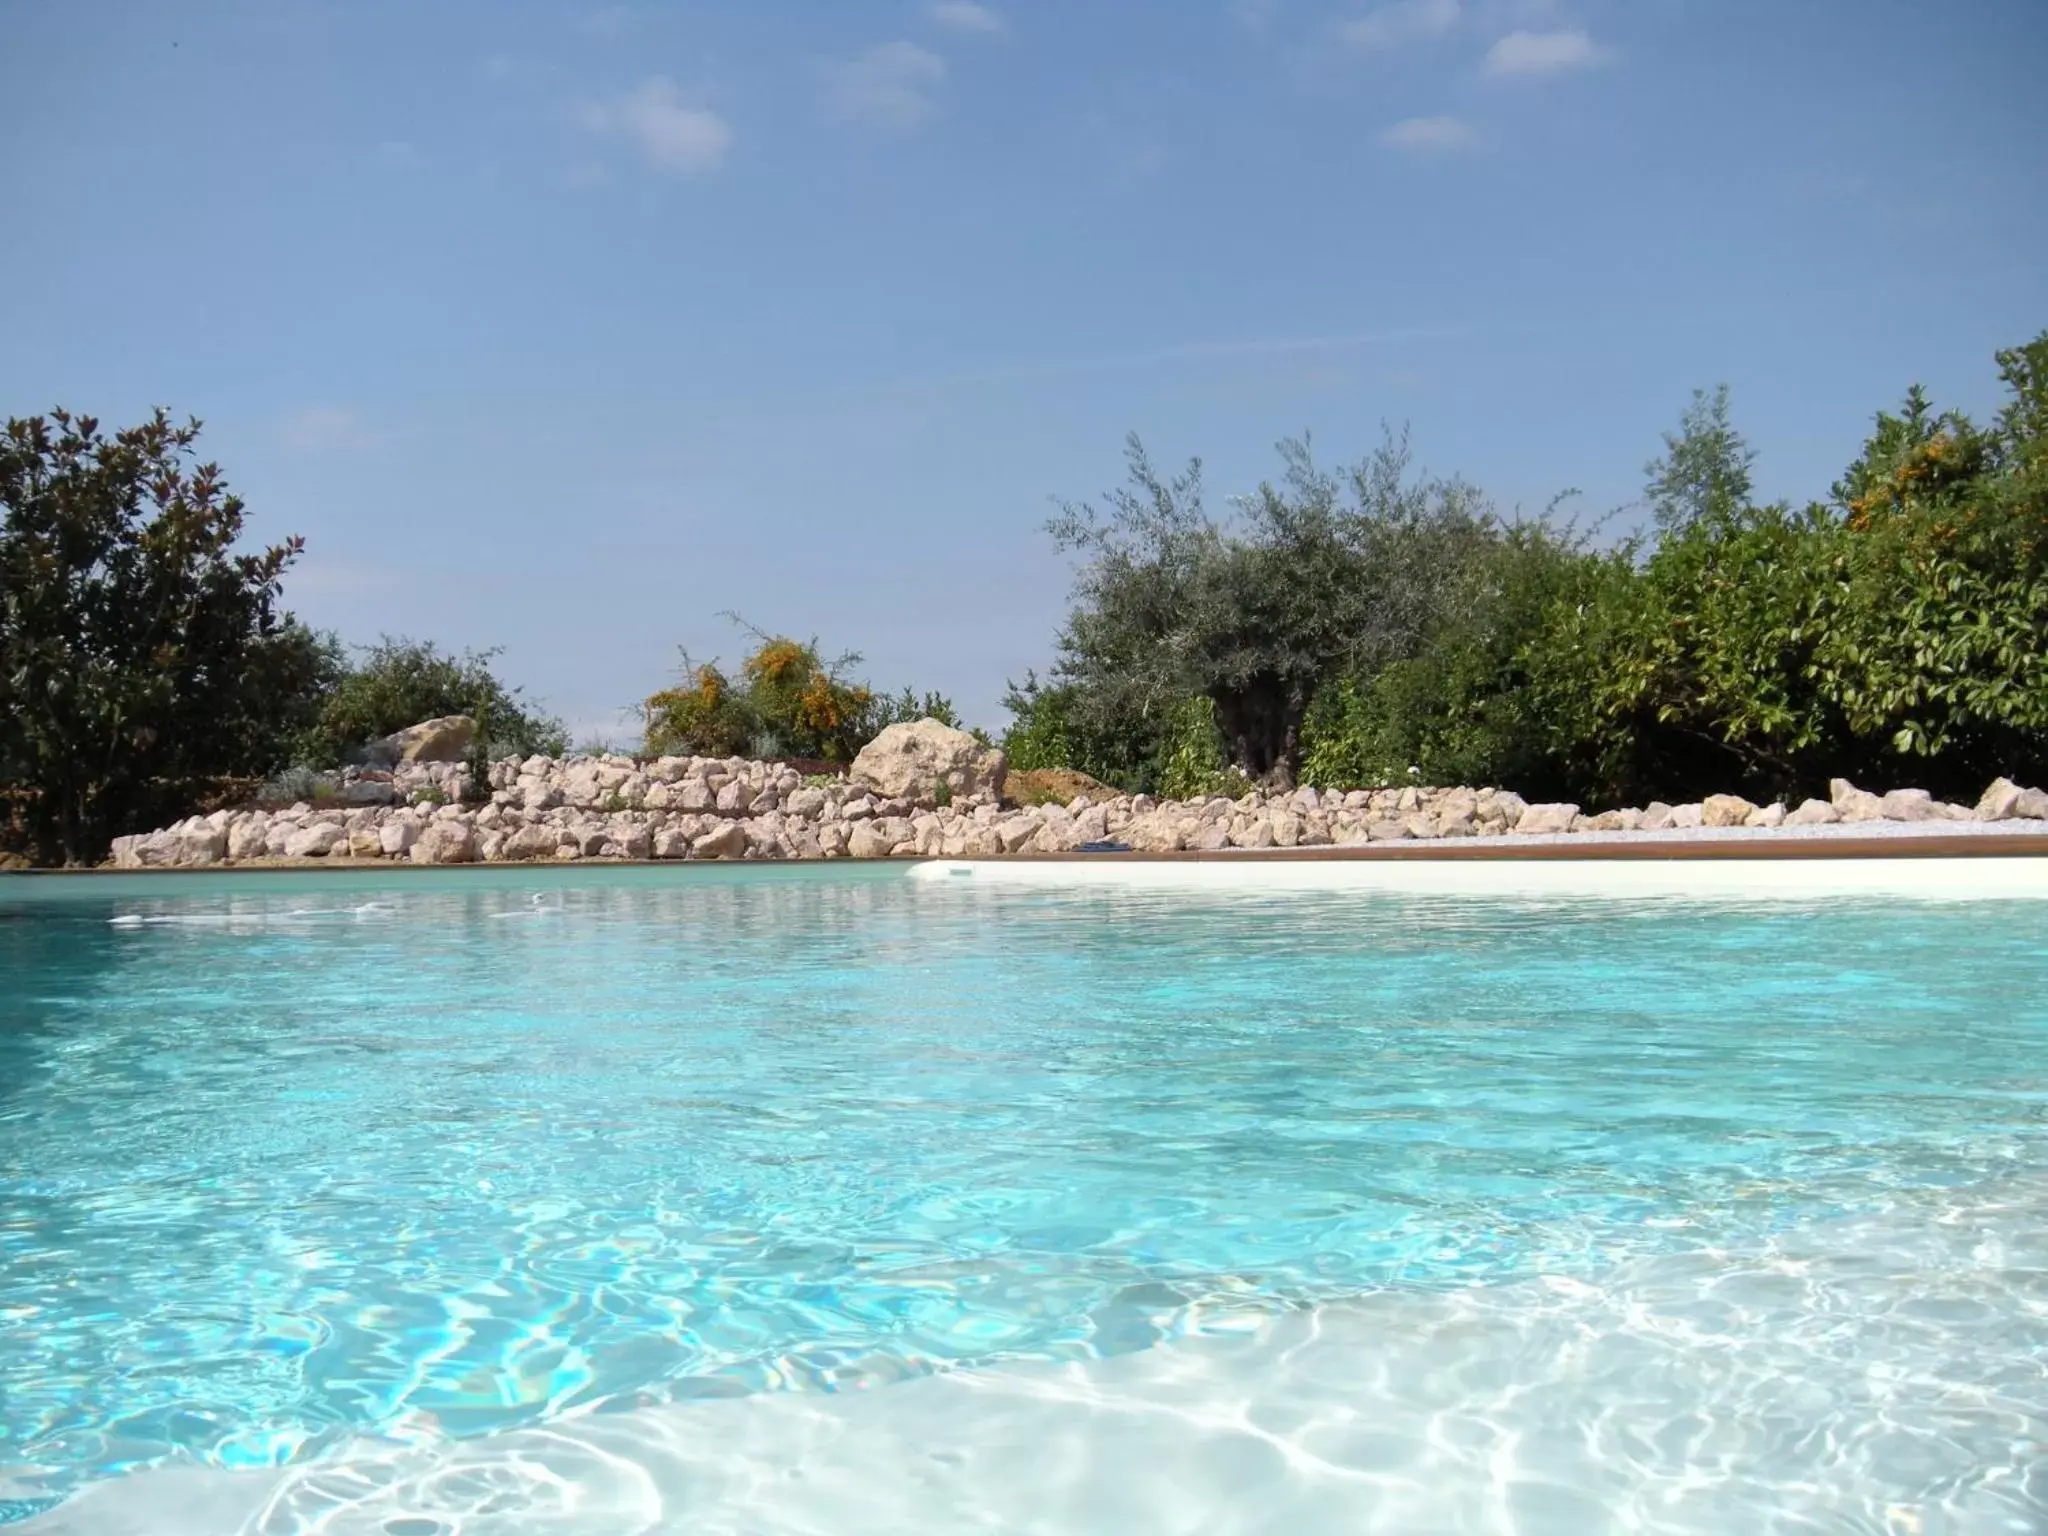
x=1311 y=577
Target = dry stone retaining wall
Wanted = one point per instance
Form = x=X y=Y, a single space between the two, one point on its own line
x=717 y=808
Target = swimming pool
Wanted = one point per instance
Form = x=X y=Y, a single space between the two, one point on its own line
x=834 y=1199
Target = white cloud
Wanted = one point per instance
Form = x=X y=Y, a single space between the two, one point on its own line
x=967 y=16
x=1543 y=53
x=1430 y=134
x=672 y=134
x=1404 y=21
x=891 y=85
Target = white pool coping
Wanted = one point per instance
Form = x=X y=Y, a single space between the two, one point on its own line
x=2020 y=877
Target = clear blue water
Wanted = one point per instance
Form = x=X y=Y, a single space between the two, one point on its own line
x=287 y=1159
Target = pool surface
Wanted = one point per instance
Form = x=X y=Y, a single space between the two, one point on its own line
x=832 y=1199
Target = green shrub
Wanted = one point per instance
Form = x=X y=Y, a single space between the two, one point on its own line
x=399 y=682
x=788 y=702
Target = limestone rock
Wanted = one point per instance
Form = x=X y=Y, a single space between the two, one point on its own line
x=1252 y=832
x=1855 y=804
x=529 y=842
x=398 y=835
x=445 y=842
x=911 y=759
x=1687 y=816
x=1610 y=821
x=723 y=842
x=1154 y=832
x=445 y=740
x=870 y=841
x=1772 y=815
x=1813 y=813
x=1909 y=805
x=314 y=842
x=1546 y=818
x=1725 y=811
x=2000 y=802
x=246 y=836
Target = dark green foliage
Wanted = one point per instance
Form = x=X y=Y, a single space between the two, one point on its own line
x=141 y=653
x=1894 y=635
x=1370 y=631
x=1460 y=709
x=1047 y=731
x=400 y=682
x=1316 y=576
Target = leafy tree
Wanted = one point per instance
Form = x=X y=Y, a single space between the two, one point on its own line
x=140 y=652
x=1704 y=469
x=1316 y=576
x=399 y=682
x=1892 y=635
x=1459 y=710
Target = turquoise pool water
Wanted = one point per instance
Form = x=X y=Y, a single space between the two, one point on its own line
x=289 y=1163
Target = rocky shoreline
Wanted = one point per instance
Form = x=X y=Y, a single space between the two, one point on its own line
x=918 y=791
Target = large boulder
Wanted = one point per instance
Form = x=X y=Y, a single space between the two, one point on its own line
x=1725 y=811
x=1547 y=818
x=724 y=842
x=445 y=842
x=316 y=841
x=910 y=760
x=445 y=740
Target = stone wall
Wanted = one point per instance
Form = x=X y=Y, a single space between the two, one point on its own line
x=715 y=808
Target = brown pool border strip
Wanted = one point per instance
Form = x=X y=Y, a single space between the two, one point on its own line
x=1508 y=850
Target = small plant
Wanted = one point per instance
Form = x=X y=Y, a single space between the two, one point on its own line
x=614 y=802
x=820 y=780
x=292 y=786
x=430 y=794
x=942 y=794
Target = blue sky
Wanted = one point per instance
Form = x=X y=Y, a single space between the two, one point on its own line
x=564 y=327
